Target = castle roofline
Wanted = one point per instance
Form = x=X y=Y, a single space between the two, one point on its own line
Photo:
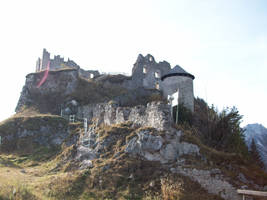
x=177 y=71
x=177 y=74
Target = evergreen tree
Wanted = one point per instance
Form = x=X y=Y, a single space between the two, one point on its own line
x=220 y=130
x=254 y=153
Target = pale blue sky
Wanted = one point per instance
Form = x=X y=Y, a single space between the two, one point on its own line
x=222 y=42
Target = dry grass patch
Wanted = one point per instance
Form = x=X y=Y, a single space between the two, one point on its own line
x=178 y=187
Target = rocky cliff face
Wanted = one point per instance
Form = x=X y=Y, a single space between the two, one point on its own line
x=48 y=97
x=66 y=85
x=26 y=134
x=150 y=144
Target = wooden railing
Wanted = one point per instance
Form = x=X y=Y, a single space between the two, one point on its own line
x=251 y=193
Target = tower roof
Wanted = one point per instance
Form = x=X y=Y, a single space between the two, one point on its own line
x=177 y=71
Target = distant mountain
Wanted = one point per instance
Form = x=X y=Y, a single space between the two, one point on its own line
x=259 y=133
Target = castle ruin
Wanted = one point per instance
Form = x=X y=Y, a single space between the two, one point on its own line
x=58 y=63
x=146 y=74
x=149 y=74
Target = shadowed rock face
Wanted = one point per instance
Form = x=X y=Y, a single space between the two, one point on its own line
x=66 y=85
x=49 y=95
x=27 y=134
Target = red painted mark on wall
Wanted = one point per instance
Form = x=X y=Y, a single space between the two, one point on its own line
x=45 y=75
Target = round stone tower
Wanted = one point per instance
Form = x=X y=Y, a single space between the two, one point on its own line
x=177 y=79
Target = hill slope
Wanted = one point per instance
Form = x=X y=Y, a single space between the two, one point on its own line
x=122 y=161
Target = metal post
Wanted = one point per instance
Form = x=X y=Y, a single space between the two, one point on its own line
x=90 y=138
x=177 y=114
x=170 y=97
x=85 y=125
x=177 y=108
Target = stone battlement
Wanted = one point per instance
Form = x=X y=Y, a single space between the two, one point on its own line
x=59 y=62
x=56 y=63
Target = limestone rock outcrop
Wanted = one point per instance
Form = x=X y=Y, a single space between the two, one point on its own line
x=48 y=97
x=158 y=148
x=27 y=134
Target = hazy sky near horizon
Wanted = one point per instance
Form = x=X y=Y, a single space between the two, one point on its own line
x=222 y=42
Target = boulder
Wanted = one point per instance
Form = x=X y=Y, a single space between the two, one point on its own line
x=84 y=153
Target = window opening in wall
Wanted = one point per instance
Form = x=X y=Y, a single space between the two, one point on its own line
x=91 y=75
x=157 y=86
x=144 y=70
x=157 y=75
x=150 y=59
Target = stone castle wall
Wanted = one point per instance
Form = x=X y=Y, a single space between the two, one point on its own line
x=147 y=73
x=154 y=114
x=56 y=63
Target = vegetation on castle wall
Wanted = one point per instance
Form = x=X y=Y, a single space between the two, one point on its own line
x=115 y=79
x=88 y=92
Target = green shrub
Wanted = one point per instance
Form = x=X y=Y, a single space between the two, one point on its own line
x=220 y=130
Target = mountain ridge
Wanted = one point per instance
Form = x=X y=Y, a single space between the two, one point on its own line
x=259 y=133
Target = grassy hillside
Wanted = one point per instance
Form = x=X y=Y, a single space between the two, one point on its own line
x=53 y=173
x=23 y=132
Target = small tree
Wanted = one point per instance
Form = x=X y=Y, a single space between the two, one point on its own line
x=220 y=130
x=254 y=153
x=185 y=115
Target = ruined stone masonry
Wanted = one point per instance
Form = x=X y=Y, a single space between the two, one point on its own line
x=98 y=99
x=58 y=63
x=154 y=114
x=146 y=74
x=149 y=74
